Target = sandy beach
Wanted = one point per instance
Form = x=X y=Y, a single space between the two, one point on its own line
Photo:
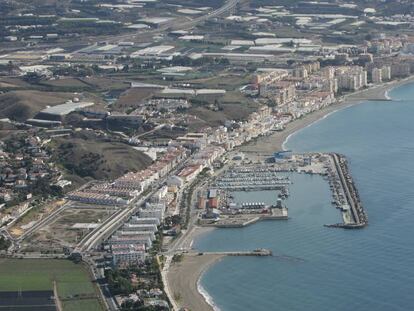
x=266 y=146
x=183 y=277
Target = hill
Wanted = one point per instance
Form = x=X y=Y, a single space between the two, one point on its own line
x=90 y=157
x=23 y=105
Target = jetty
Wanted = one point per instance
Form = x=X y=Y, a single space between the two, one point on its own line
x=260 y=252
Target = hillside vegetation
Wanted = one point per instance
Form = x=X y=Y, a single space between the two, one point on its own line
x=88 y=157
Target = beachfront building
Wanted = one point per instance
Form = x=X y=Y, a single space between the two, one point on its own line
x=330 y=85
x=351 y=78
x=400 y=70
x=376 y=75
x=386 y=73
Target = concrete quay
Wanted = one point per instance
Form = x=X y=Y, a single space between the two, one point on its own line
x=244 y=220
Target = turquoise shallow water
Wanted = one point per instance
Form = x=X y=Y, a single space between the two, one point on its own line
x=325 y=268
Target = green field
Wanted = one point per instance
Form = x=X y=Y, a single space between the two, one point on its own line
x=39 y=274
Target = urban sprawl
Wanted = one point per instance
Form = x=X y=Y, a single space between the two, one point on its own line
x=128 y=125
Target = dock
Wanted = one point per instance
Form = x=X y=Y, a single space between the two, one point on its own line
x=244 y=220
x=252 y=178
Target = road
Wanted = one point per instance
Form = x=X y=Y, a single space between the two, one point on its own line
x=158 y=127
x=104 y=231
x=143 y=36
x=111 y=225
x=178 y=25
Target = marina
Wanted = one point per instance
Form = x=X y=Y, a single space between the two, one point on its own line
x=227 y=203
x=252 y=178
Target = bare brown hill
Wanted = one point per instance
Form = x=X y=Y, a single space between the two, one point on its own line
x=23 y=105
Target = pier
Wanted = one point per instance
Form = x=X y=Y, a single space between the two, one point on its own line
x=257 y=252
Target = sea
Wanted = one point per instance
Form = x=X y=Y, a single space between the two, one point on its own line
x=317 y=268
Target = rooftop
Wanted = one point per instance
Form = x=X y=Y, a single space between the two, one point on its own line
x=66 y=108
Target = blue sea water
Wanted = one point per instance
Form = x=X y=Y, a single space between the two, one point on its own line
x=326 y=268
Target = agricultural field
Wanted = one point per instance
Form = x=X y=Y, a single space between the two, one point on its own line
x=74 y=286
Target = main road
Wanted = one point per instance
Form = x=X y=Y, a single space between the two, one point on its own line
x=104 y=231
x=227 y=7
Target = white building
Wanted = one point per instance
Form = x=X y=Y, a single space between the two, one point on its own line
x=131 y=239
x=140 y=227
x=376 y=75
x=153 y=210
x=128 y=253
x=386 y=73
x=150 y=221
x=143 y=234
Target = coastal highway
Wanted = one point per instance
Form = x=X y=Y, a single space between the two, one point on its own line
x=228 y=6
x=177 y=24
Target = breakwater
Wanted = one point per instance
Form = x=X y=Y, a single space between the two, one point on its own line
x=345 y=194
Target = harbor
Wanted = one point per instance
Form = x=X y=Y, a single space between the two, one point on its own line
x=309 y=204
x=227 y=201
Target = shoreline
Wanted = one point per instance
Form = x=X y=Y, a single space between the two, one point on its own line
x=186 y=275
x=267 y=145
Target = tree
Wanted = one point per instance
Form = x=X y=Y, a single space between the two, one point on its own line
x=118 y=284
x=4 y=243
